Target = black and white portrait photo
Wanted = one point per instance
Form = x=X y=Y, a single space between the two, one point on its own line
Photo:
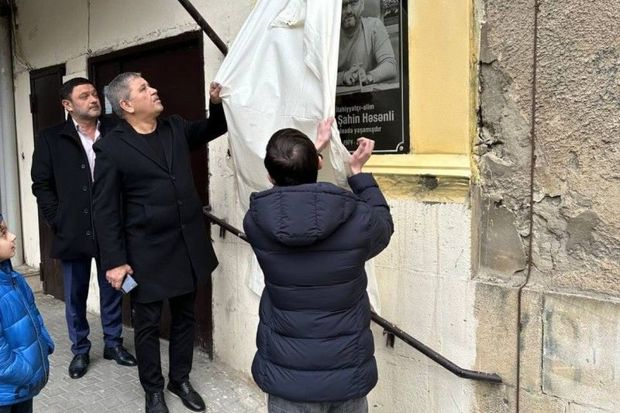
x=371 y=82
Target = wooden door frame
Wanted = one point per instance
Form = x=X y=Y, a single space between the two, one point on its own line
x=43 y=251
x=146 y=48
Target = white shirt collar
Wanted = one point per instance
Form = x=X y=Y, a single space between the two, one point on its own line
x=77 y=128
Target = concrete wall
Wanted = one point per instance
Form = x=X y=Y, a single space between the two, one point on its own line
x=426 y=289
x=570 y=305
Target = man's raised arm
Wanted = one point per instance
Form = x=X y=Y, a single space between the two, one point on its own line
x=200 y=132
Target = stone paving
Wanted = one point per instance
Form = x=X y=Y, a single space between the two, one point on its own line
x=108 y=387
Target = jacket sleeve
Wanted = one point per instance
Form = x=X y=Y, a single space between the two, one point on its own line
x=43 y=184
x=14 y=367
x=107 y=211
x=381 y=226
x=200 y=132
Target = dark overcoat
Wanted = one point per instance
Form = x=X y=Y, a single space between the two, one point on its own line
x=63 y=185
x=148 y=214
x=312 y=241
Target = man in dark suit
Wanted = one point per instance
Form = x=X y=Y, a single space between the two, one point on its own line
x=62 y=181
x=149 y=223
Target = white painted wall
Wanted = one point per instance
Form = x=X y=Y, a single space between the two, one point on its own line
x=424 y=275
x=424 y=280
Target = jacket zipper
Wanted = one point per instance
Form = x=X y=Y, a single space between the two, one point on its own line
x=34 y=323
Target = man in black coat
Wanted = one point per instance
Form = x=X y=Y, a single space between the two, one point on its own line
x=149 y=224
x=62 y=181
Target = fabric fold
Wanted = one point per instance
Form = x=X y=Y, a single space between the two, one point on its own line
x=281 y=73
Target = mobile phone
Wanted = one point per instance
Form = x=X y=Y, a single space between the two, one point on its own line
x=128 y=284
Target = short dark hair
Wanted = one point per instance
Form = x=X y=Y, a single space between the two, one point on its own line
x=291 y=158
x=67 y=87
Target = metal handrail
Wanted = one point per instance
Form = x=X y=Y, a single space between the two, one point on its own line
x=387 y=326
x=433 y=355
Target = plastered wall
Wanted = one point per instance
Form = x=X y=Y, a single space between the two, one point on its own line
x=570 y=304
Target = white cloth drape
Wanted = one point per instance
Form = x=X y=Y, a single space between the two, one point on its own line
x=281 y=73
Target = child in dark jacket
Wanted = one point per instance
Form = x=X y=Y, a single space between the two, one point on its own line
x=25 y=343
x=312 y=239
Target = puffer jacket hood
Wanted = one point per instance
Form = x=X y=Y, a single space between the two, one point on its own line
x=304 y=214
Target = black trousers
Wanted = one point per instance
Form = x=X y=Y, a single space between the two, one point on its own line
x=146 y=332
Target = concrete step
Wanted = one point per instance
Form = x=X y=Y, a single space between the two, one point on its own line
x=32 y=276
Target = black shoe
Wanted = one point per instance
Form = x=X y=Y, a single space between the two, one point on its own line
x=120 y=354
x=79 y=365
x=155 y=403
x=190 y=397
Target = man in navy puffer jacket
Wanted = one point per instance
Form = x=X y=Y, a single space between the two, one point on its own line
x=315 y=348
x=24 y=341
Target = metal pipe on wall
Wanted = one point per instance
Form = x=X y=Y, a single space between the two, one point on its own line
x=9 y=160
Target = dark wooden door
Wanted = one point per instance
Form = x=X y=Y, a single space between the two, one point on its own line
x=175 y=68
x=47 y=111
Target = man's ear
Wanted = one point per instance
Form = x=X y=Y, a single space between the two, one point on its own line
x=320 y=163
x=271 y=179
x=66 y=103
x=127 y=106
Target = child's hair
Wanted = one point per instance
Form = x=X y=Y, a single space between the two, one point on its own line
x=291 y=158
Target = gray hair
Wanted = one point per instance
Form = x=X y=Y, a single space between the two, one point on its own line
x=118 y=89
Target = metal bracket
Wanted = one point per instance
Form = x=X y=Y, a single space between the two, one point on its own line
x=390 y=338
x=223 y=230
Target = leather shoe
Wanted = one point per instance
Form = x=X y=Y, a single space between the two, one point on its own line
x=120 y=355
x=155 y=403
x=79 y=365
x=190 y=397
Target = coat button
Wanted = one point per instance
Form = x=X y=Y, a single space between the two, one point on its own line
x=84 y=188
x=85 y=211
x=83 y=166
x=179 y=202
x=182 y=226
x=173 y=178
x=89 y=233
